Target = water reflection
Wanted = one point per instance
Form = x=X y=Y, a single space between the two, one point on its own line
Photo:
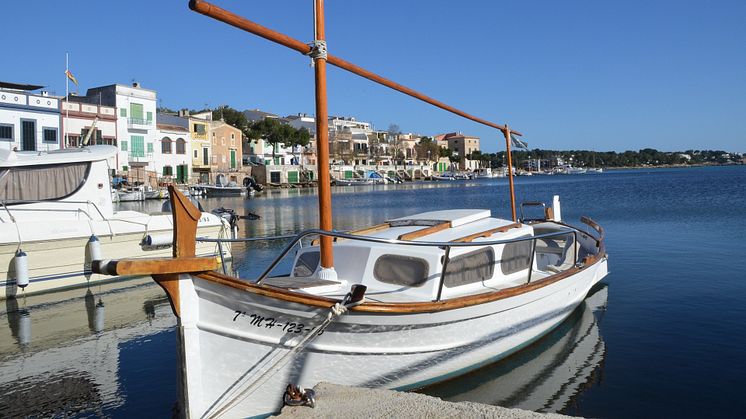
x=548 y=375
x=60 y=352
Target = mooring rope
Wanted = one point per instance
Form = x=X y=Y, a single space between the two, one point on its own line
x=334 y=311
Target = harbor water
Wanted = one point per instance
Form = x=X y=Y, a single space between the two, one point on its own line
x=662 y=336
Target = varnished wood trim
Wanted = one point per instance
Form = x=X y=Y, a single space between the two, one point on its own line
x=170 y=284
x=425 y=231
x=487 y=233
x=154 y=266
x=372 y=229
x=360 y=232
x=185 y=217
x=391 y=308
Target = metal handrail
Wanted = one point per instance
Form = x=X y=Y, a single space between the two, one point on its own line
x=340 y=235
x=34 y=201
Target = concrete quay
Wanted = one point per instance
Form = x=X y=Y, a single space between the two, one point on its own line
x=336 y=401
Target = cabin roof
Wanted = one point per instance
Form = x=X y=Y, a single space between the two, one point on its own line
x=457 y=217
x=9 y=158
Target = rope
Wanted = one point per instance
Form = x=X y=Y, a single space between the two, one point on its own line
x=336 y=310
x=318 y=50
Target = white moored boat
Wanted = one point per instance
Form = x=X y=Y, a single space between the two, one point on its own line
x=52 y=205
x=401 y=304
x=505 y=285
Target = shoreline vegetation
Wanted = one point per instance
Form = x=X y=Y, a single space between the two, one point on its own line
x=644 y=158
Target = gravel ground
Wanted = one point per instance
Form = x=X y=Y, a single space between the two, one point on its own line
x=335 y=401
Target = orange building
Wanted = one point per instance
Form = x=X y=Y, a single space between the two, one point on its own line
x=226 y=147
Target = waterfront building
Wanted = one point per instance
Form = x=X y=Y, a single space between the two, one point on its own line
x=79 y=117
x=227 y=149
x=348 y=140
x=173 y=154
x=462 y=146
x=28 y=121
x=136 y=124
x=199 y=130
x=253 y=115
x=307 y=154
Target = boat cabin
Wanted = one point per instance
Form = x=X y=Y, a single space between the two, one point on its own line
x=66 y=183
x=414 y=271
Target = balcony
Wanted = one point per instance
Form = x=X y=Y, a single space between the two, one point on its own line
x=138 y=123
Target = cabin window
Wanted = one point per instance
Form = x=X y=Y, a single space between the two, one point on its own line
x=39 y=183
x=476 y=266
x=401 y=270
x=306 y=264
x=516 y=257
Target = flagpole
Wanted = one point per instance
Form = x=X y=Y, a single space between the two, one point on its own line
x=510 y=172
x=67 y=99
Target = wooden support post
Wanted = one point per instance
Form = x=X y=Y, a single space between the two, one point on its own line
x=510 y=172
x=322 y=141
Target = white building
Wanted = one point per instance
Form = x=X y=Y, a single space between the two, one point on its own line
x=78 y=118
x=28 y=121
x=136 y=124
x=172 y=154
x=348 y=140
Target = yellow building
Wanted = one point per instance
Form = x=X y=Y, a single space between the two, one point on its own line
x=199 y=129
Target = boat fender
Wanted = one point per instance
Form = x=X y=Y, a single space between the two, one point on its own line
x=94 y=248
x=20 y=264
x=157 y=240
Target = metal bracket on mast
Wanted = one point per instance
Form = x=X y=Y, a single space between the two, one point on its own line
x=318 y=50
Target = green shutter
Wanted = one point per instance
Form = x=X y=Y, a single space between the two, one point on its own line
x=292 y=176
x=233 y=159
x=136 y=111
x=348 y=174
x=125 y=168
x=123 y=112
x=150 y=147
x=124 y=145
x=150 y=117
x=181 y=173
x=138 y=146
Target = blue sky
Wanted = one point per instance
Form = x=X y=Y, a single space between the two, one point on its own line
x=570 y=75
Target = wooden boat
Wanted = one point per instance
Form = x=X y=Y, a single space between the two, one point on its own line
x=548 y=376
x=408 y=302
x=447 y=292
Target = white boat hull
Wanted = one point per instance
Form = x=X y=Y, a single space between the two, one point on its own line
x=386 y=350
x=58 y=256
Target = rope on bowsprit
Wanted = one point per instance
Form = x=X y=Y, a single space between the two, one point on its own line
x=355 y=297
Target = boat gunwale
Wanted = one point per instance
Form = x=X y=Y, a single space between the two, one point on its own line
x=287 y=295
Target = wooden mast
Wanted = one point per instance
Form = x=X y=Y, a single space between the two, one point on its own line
x=510 y=172
x=322 y=135
x=242 y=23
